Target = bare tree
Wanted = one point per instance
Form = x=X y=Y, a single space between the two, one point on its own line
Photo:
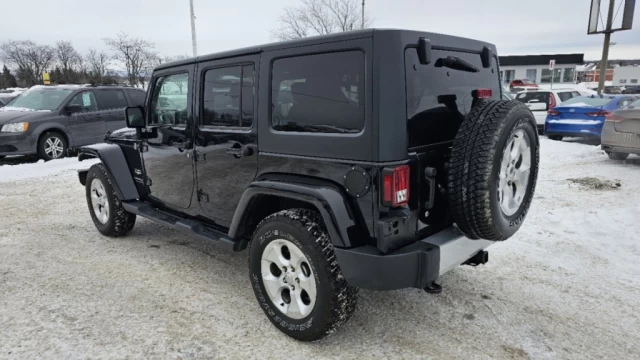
x=30 y=59
x=69 y=59
x=135 y=53
x=320 y=17
x=97 y=63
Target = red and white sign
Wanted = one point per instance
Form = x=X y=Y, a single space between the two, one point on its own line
x=552 y=64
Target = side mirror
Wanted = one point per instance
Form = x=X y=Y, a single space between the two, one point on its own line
x=73 y=108
x=135 y=117
x=424 y=51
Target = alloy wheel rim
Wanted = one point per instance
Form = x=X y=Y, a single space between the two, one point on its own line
x=288 y=279
x=53 y=147
x=515 y=168
x=99 y=201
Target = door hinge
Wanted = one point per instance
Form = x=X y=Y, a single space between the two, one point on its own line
x=203 y=196
x=200 y=156
x=144 y=180
x=143 y=147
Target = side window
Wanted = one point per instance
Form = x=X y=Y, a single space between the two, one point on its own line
x=564 y=96
x=169 y=100
x=228 y=97
x=85 y=99
x=136 y=97
x=624 y=102
x=318 y=93
x=111 y=99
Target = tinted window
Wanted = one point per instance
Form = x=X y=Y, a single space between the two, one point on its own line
x=318 y=93
x=541 y=96
x=111 y=99
x=169 y=100
x=136 y=96
x=438 y=97
x=587 y=101
x=86 y=100
x=228 y=96
x=564 y=96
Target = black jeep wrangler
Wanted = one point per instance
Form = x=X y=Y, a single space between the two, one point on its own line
x=375 y=159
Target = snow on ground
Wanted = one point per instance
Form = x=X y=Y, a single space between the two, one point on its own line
x=566 y=286
x=42 y=169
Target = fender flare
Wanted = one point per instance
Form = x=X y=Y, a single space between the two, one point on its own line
x=117 y=168
x=43 y=128
x=329 y=201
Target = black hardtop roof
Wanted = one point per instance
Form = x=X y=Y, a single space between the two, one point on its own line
x=438 y=40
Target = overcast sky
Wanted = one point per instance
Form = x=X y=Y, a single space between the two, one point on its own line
x=515 y=26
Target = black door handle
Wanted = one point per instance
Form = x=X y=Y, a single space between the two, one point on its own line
x=238 y=150
x=181 y=144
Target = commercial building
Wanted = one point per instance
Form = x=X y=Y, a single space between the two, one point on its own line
x=626 y=75
x=536 y=68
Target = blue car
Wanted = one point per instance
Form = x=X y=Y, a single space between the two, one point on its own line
x=583 y=116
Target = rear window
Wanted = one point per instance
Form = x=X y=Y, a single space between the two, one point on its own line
x=541 y=96
x=111 y=99
x=587 y=101
x=438 y=97
x=634 y=105
x=566 y=95
x=318 y=93
x=136 y=96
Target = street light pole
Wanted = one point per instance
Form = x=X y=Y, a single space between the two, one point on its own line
x=193 y=30
x=362 y=26
x=605 y=47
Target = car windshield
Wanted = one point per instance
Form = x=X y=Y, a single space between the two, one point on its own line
x=40 y=99
x=587 y=101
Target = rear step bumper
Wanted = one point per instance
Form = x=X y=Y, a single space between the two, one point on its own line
x=189 y=226
x=415 y=265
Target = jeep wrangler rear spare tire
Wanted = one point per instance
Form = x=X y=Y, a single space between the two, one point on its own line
x=296 y=277
x=493 y=169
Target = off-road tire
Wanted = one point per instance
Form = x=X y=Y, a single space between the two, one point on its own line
x=43 y=140
x=120 y=221
x=617 y=155
x=556 y=137
x=335 y=301
x=475 y=166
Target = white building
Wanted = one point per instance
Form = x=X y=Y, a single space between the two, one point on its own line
x=626 y=75
x=536 y=68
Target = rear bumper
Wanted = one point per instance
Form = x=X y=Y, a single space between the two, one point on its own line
x=577 y=130
x=624 y=142
x=621 y=149
x=415 y=265
x=15 y=144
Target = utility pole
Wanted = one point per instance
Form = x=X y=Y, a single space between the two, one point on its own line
x=362 y=26
x=193 y=30
x=605 y=47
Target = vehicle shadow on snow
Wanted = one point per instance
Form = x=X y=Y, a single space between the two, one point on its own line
x=18 y=160
x=413 y=307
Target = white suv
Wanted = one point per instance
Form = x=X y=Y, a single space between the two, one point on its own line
x=540 y=101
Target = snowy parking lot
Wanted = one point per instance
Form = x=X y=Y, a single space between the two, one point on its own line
x=566 y=286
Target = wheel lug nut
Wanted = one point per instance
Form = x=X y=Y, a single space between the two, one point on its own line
x=298 y=280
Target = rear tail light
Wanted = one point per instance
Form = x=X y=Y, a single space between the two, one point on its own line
x=395 y=186
x=613 y=117
x=483 y=93
x=552 y=101
x=598 y=113
x=553 y=112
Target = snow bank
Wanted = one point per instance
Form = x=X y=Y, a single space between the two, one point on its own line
x=42 y=169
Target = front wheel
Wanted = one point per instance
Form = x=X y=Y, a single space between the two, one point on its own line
x=106 y=210
x=296 y=278
x=52 y=146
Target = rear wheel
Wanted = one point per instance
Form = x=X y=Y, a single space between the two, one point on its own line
x=617 y=155
x=555 y=137
x=493 y=171
x=296 y=277
x=52 y=146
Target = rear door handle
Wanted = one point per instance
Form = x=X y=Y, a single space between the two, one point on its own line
x=238 y=150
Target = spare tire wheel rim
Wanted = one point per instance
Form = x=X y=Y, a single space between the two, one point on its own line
x=515 y=168
x=288 y=279
x=99 y=201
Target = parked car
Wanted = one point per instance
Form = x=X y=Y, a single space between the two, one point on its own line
x=523 y=83
x=621 y=132
x=633 y=89
x=341 y=162
x=5 y=98
x=614 y=90
x=583 y=116
x=541 y=101
x=50 y=120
